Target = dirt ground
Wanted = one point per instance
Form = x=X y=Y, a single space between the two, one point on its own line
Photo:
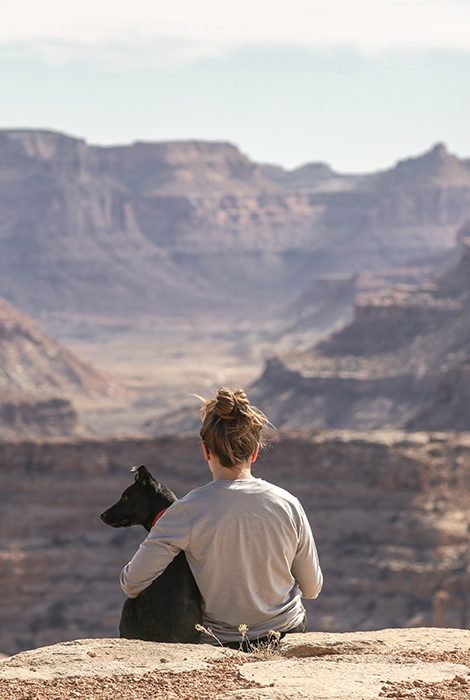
x=222 y=677
x=414 y=663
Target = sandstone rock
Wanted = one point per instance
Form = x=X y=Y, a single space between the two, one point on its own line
x=107 y=657
x=167 y=226
x=448 y=408
x=401 y=362
x=306 y=178
x=31 y=361
x=389 y=511
x=363 y=665
x=34 y=416
x=38 y=377
x=436 y=165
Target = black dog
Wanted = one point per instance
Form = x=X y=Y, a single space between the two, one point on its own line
x=169 y=608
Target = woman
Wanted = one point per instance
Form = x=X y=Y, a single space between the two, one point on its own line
x=247 y=542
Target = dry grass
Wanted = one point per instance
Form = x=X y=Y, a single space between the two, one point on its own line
x=262 y=651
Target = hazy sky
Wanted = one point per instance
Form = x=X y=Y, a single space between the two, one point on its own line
x=355 y=83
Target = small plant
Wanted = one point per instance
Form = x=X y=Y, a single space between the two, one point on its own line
x=208 y=631
x=243 y=629
x=260 y=650
x=266 y=650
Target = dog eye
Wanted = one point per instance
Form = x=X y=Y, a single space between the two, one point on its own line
x=125 y=498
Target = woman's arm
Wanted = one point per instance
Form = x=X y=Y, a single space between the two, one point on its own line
x=306 y=566
x=165 y=540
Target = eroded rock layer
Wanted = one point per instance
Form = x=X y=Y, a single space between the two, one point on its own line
x=402 y=362
x=38 y=379
x=29 y=416
x=31 y=361
x=166 y=226
x=390 y=512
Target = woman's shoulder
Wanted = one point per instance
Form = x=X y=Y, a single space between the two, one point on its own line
x=278 y=492
x=196 y=493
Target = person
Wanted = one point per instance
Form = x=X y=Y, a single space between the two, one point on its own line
x=248 y=542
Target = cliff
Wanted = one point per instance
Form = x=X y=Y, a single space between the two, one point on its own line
x=32 y=416
x=389 y=512
x=31 y=361
x=419 y=664
x=170 y=226
x=39 y=378
x=437 y=166
x=401 y=362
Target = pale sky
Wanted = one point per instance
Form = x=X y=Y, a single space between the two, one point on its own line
x=358 y=83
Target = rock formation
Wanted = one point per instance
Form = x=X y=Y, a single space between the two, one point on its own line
x=390 y=513
x=32 y=361
x=29 y=415
x=38 y=377
x=419 y=664
x=168 y=226
x=401 y=362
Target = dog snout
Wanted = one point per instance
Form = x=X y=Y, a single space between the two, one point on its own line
x=103 y=516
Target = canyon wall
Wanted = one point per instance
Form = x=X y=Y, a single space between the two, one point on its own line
x=38 y=379
x=165 y=226
x=31 y=416
x=31 y=361
x=389 y=511
x=402 y=362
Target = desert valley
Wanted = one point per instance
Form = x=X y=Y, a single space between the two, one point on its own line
x=134 y=276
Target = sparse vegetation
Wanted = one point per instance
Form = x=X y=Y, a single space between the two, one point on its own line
x=261 y=650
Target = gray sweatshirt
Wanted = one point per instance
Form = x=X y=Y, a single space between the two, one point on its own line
x=250 y=548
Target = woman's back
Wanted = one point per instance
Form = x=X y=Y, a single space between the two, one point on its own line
x=249 y=542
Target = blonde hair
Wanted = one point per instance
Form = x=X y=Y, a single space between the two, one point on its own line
x=231 y=427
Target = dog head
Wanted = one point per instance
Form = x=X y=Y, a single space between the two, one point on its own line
x=140 y=502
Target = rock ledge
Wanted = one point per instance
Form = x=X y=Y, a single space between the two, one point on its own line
x=394 y=663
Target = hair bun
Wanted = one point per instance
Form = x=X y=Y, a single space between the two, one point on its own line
x=241 y=398
x=225 y=403
x=231 y=427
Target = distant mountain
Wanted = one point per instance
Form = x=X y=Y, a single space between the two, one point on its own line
x=38 y=377
x=180 y=168
x=307 y=178
x=30 y=361
x=403 y=362
x=162 y=227
x=436 y=167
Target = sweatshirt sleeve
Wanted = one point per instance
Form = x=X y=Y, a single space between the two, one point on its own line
x=165 y=540
x=306 y=566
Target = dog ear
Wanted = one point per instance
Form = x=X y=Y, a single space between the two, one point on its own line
x=141 y=473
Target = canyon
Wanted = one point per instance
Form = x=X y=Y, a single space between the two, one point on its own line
x=156 y=270
x=161 y=227
x=389 y=510
x=402 y=362
x=173 y=267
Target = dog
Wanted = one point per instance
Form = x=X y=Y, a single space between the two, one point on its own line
x=169 y=609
